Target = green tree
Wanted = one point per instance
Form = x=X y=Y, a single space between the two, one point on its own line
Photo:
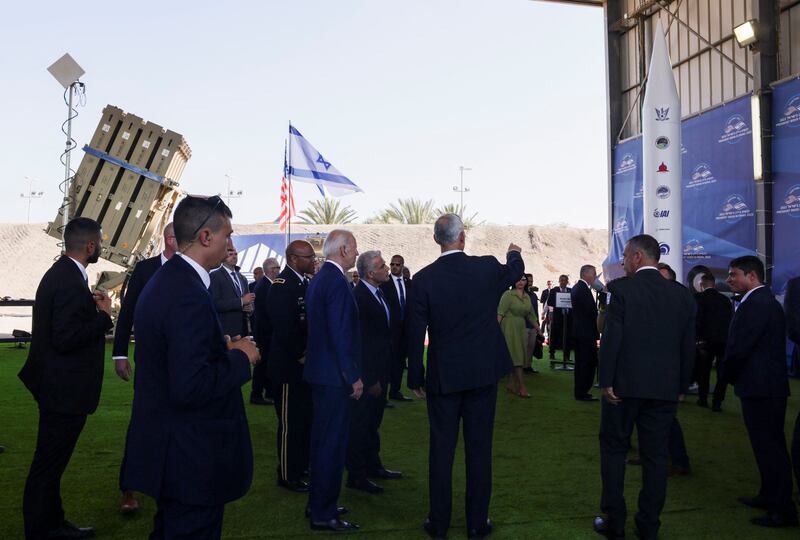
x=452 y=208
x=409 y=212
x=327 y=212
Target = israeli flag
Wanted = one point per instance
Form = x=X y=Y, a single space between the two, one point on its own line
x=306 y=164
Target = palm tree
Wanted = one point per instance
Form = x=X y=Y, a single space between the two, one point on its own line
x=410 y=212
x=327 y=212
x=469 y=221
x=384 y=217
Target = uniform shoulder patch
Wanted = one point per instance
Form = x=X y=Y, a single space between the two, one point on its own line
x=278 y=281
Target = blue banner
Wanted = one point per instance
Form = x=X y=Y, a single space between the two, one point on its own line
x=255 y=248
x=627 y=213
x=786 y=189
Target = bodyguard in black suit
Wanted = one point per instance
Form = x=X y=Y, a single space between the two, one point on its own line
x=560 y=321
x=714 y=312
x=584 y=333
x=286 y=310
x=262 y=389
x=755 y=363
x=142 y=272
x=791 y=305
x=396 y=290
x=189 y=443
x=646 y=358
x=366 y=414
x=231 y=297
x=64 y=372
x=467 y=355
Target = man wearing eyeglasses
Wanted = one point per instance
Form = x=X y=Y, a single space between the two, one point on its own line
x=188 y=444
x=231 y=297
x=397 y=290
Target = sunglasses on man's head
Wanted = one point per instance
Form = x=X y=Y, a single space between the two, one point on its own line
x=217 y=200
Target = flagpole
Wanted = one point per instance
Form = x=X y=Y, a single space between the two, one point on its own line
x=290 y=194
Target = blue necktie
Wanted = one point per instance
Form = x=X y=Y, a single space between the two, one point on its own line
x=402 y=299
x=236 y=282
x=379 y=294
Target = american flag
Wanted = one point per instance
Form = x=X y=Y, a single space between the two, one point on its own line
x=287 y=199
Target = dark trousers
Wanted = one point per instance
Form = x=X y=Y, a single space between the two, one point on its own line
x=764 y=419
x=396 y=366
x=261 y=383
x=294 y=409
x=653 y=419
x=796 y=450
x=41 y=503
x=178 y=521
x=476 y=409
x=364 y=442
x=585 y=365
x=329 y=431
x=707 y=354
x=678 y=455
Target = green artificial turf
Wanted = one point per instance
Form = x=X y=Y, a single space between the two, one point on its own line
x=546 y=470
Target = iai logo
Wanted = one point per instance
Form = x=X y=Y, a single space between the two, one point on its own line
x=694 y=250
x=735 y=128
x=701 y=176
x=791 y=202
x=664 y=248
x=639 y=192
x=627 y=164
x=790 y=116
x=621 y=225
x=734 y=209
x=663 y=192
x=659 y=214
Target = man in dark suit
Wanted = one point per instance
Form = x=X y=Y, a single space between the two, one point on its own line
x=646 y=358
x=584 y=332
x=396 y=290
x=231 y=298
x=714 y=312
x=467 y=355
x=560 y=321
x=755 y=363
x=333 y=369
x=142 y=272
x=366 y=414
x=545 y=313
x=286 y=311
x=261 y=392
x=258 y=275
x=64 y=372
x=791 y=305
x=188 y=444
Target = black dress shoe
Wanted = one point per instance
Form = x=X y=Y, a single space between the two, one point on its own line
x=335 y=525
x=481 y=532
x=258 y=400
x=385 y=474
x=340 y=511
x=603 y=527
x=716 y=407
x=587 y=397
x=775 y=520
x=397 y=396
x=68 y=530
x=432 y=531
x=388 y=405
x=365 y=485
x=298 y=486
x=702 y=403
x=754 y=502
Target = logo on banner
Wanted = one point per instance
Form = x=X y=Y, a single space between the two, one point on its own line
x=627 y=164
x=694 y=250
x=790 y=115
x=621 y=225
x=663 y=192
x=735 y=128
x=660 y=213
x=664 y=248
x=662 y=143
x=733 y=209
x=791 y=202
x=662 y=168
x=662 y=114
x=701 y=176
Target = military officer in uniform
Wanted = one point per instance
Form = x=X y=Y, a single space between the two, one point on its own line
x=287 y=314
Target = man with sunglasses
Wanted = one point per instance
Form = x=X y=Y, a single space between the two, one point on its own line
x=188 y=444
x=396 y=291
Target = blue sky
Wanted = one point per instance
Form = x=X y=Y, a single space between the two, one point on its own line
x=396 y=95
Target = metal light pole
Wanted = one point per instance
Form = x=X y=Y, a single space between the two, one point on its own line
x=30 y=195
x=460 y=189
x=231 y=193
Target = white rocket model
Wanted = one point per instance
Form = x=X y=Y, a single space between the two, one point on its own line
x=661 y=150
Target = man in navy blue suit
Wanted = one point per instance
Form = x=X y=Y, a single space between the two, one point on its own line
x=467 y=355
x=791 y=305
x=142 y=272
x=333 y=370
x=188 y=443
x=755 y=363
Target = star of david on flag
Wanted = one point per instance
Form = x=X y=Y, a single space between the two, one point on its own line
x=306 y=164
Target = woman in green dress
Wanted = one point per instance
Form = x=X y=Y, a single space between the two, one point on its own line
x=515 y=307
